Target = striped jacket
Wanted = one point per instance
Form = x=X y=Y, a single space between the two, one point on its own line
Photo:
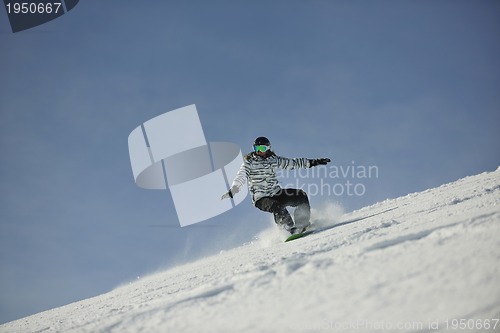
x=260 y=172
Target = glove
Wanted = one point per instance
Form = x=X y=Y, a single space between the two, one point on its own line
x=318 y=161
x=235 y=189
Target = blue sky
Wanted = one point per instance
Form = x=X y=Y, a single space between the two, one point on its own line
x=412 y=87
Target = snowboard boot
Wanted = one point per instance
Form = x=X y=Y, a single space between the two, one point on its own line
x=302 y=216
x=289 y=225
x=298 y=230
x=285 y=221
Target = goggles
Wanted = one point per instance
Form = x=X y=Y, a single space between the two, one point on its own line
x=261 y=148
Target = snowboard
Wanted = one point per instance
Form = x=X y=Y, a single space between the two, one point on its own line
x=300 y=235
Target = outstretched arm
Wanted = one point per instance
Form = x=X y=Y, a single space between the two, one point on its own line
x=294 y=163
x=238 y=181
x=291 y=163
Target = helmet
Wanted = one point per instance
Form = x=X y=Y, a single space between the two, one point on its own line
x=262 y=140
x=262 y=144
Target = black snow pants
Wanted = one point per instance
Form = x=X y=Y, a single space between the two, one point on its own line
x=277 y=204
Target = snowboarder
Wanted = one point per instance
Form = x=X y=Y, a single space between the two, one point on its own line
x=258 y=169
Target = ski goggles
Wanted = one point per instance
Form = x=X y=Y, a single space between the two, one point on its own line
x=261 y=148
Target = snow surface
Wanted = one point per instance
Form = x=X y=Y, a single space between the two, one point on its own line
x=412 y=264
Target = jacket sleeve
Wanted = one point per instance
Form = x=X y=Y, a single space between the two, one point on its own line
x=242 y=175
x=292 y=163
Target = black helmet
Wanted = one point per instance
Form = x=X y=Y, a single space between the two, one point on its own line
x=262 y=140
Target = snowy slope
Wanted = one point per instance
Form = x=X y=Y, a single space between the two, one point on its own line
x=411 y=264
